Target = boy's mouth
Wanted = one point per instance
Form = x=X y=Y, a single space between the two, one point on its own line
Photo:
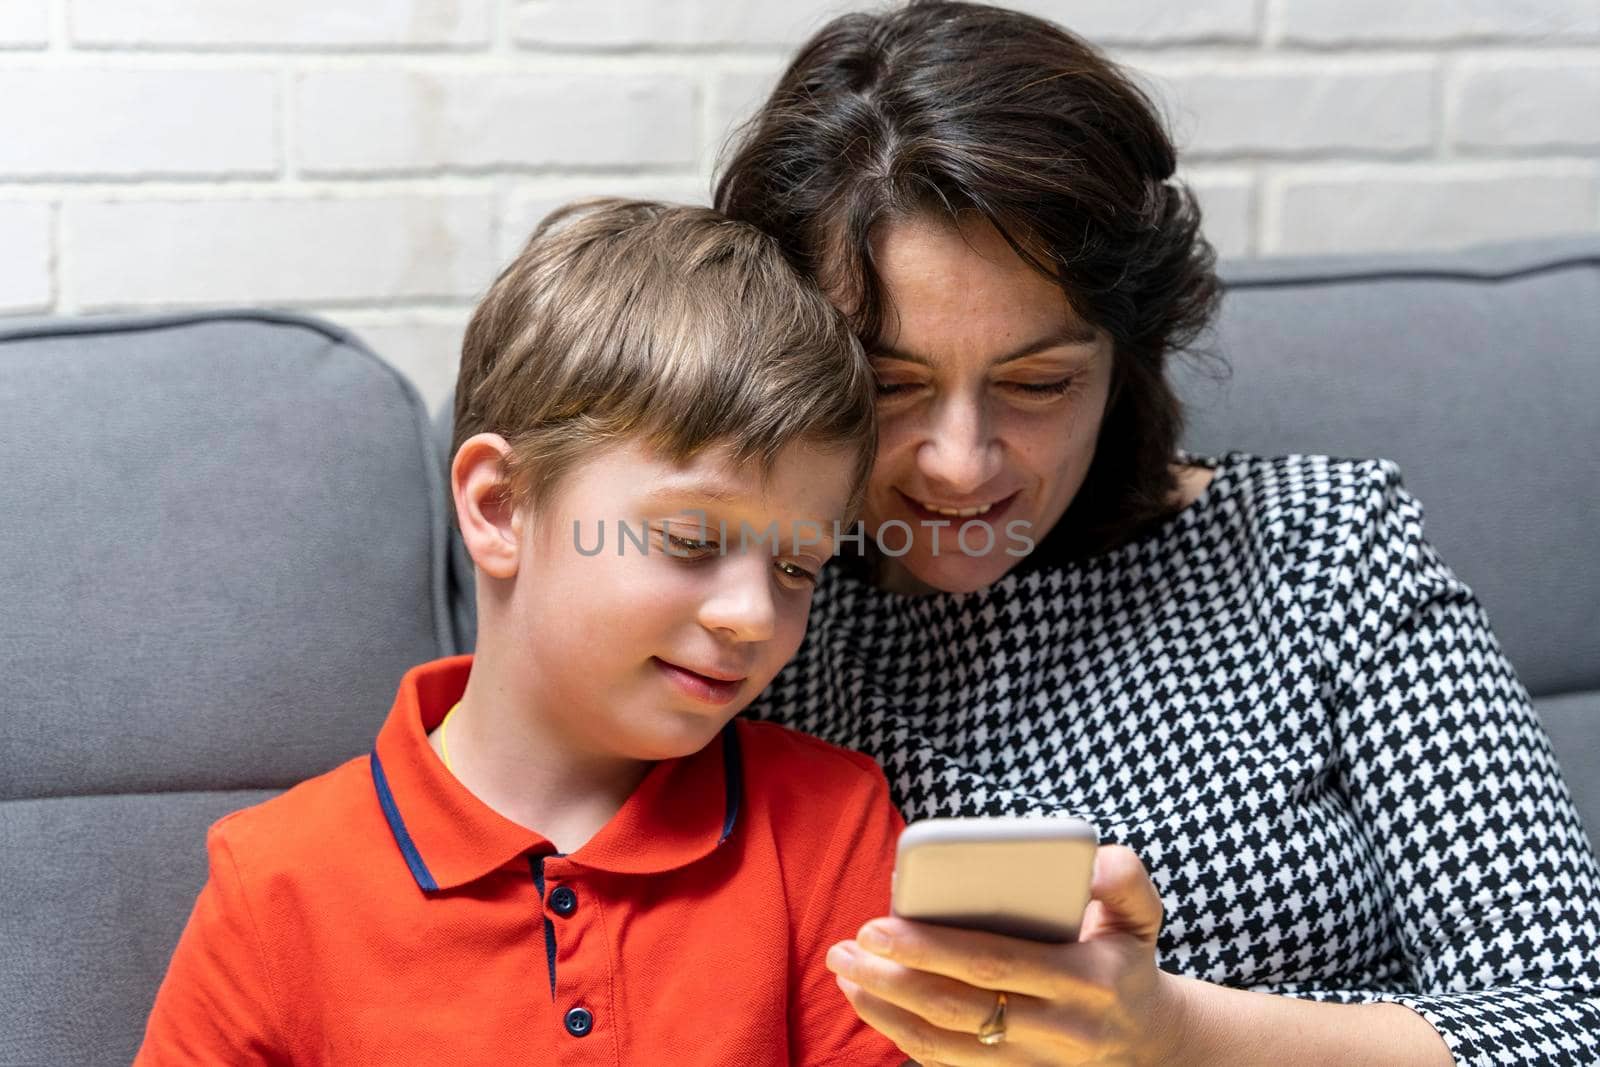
x=716 y=689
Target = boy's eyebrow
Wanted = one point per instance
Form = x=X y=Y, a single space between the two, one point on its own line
x=715 y=492
x=1074 y=333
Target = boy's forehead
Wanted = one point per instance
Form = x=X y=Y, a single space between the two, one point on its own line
x=806 y=481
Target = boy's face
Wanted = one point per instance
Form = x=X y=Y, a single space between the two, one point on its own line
x=646 y=654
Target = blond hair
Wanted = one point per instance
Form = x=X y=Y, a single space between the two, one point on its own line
x=628 y=319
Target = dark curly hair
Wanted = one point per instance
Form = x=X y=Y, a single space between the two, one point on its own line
x=951 y=109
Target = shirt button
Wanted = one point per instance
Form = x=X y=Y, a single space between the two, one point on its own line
x=579 y=1022
x=563 y=901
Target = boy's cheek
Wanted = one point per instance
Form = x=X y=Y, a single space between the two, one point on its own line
x=786 y=645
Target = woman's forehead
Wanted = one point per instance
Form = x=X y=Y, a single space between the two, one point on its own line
x=945 y=284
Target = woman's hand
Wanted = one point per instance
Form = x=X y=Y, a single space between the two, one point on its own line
x=1101 y=1000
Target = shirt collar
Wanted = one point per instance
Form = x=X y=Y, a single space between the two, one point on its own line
x=681 y=811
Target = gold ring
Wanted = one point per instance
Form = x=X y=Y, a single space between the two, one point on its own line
x=993 y=1030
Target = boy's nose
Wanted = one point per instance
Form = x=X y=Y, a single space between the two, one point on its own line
x=740 y=603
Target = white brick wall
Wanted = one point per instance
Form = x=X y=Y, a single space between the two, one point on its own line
x=24 y=24
x=1153 y=22
x=1383 y=206
x=675 y=24
x=367 y=122
x=376 y=161
x=25 y=284
x=1270 y=108
x=319 y=24
x=308 y=250
x=1337 y=23
x=137 y=123
x=1528 y=104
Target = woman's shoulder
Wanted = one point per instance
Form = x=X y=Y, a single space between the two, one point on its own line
x=1300 y=479
x=1324 y=523
x=1311 y=498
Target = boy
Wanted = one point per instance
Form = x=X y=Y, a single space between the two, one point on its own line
x=563 y=848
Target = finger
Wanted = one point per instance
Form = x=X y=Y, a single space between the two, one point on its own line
x=944 y=1002
x=918 y=1038
x=1125 y=899
x=988 y=961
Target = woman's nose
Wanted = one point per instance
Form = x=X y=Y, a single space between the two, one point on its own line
x=959 y=455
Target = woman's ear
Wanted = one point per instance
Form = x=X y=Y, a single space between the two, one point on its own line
x=490 y=527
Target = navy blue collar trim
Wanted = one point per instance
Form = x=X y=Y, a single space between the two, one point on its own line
x=733 y=790
x=732 y=778
x=397 y=826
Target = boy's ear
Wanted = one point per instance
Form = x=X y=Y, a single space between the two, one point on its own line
x=490 y=527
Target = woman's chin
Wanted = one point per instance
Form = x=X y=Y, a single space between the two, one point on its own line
x=946 y=574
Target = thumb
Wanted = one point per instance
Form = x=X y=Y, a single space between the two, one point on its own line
x=1124 y=901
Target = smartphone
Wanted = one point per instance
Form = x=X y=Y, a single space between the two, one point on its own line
x=1022 y=876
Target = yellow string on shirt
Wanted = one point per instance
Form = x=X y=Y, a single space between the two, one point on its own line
x=444 y=738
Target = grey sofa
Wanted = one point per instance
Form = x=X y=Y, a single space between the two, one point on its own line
x=223 y=537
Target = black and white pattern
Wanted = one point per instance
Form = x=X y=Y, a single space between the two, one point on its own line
x=1294 y=713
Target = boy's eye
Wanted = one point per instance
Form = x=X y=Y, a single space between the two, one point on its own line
x=688 y=546
x=895 y=388
x=797 y=572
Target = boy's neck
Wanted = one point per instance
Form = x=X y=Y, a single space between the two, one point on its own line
x=504 y=752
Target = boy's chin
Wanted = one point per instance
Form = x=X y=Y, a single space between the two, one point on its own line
x=675 y=740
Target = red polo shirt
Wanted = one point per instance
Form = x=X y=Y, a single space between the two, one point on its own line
x=382 y=914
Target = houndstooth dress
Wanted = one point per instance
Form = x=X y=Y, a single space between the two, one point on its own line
x=1293 y=712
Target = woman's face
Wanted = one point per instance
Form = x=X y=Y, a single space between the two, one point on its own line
x=990 y=395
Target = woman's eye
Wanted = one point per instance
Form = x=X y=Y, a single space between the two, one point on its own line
x=1055 y=388
x=797 y=572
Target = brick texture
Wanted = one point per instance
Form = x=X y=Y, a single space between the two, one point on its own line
x=527 y=205
x=1153 y=22
x=424 y=346
x=137 y=123
x=1227 y=204
x=331 y=24
x=25 y=264
x=378 y=160
x=299 y=251
x=1527 y=105
x=650 y=24
x=376 y=122
x=1316 y=107
x=1428 y=207
x=24 y=24
x=1363 y=22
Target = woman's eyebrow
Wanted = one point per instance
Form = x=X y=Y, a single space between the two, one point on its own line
x=1077 y=333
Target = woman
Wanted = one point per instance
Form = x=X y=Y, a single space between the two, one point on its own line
x=1253 y=675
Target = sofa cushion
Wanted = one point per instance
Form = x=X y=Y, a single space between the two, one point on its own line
x=97 y=890
x=223 y=549
x=1573 y=721
x=1478 y=373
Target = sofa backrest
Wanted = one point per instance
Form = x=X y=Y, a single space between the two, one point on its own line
x=219 y=558
x=1479 y=373
x=226 y=537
